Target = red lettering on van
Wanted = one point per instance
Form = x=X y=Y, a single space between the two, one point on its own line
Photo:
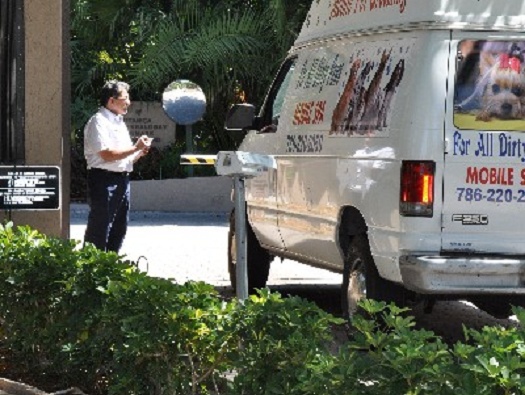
x=491 y=175
x=302 y=113
x=319 y=112
x=341 y=8
x=472 y=175
x=388 y=3
x=522 y=177
x=297 y=114
x=346 y=7
x=360 y=6
x=309 y=113
x=307 y=110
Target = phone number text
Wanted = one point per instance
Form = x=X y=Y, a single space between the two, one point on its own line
x=494 y=195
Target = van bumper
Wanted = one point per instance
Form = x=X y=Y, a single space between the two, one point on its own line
x=463 y=275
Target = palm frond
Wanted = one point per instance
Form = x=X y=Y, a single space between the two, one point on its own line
x=161 y=57
x=226 y=39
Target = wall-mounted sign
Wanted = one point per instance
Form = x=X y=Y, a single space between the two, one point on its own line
x=149 y=118
x=29 y=187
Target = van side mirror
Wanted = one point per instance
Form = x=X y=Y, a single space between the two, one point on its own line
x=240 y=117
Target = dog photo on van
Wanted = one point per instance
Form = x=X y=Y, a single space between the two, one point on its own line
x=389 y=92
x=364 y=103
x=493 y=74
x=367 y=116
x=343 y=107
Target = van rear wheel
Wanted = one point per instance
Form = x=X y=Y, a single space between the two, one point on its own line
x=362 y=280
x=500 y=308
x=257 y=258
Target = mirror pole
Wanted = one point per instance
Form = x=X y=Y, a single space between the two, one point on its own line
x=189 y=146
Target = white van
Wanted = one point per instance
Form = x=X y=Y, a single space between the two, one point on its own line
x=398 y=130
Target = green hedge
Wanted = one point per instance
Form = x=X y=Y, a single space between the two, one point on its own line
x=92 y=320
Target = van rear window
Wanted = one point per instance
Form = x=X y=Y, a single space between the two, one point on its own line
x=490 y=86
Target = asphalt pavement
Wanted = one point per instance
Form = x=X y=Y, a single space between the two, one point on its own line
x=192 y=246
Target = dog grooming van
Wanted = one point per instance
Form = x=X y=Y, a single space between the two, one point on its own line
x=398 y=133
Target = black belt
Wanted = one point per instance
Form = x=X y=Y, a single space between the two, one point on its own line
x=115 y=173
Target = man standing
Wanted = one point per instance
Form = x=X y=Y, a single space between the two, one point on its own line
x=110 y=155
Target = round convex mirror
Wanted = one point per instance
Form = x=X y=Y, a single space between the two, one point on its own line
x=184 y=102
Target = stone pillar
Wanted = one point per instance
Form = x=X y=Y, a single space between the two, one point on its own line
x=47 y=105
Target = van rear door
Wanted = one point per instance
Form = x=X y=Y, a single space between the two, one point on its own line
x=484 y=174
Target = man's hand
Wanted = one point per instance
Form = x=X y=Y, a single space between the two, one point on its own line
x=144 y=143
x=141 y=147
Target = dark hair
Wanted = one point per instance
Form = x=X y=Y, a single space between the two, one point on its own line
x=112 y=89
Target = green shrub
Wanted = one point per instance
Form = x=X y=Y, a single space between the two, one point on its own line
x=493 y=360
x=50 y=300
x=164 y=337
x=91 y=319
x=282 y=340
x=395 y=357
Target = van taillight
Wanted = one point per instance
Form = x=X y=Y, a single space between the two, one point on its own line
x=417 y=188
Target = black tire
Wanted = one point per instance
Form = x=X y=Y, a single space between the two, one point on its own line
x=362 y=280
x=498 y=307
x=257 y=259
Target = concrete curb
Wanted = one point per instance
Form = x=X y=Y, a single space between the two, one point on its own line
x=81 y=211
x=14 y=388
x=8 y=387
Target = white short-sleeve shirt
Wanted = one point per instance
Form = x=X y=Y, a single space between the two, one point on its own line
x=106 y=130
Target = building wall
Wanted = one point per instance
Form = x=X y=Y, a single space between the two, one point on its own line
x=47 y=105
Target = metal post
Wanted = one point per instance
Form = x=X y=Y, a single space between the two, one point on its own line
x=241 y=271
x=189 y=146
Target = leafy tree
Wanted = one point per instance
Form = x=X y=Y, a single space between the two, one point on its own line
x=231 y=48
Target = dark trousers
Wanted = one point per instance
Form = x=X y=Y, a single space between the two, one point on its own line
x=109 y=200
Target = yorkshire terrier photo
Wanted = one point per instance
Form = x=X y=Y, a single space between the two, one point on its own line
x=503 y=82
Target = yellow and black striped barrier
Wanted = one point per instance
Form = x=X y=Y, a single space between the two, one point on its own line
x=233 y=163
x=191 y=159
